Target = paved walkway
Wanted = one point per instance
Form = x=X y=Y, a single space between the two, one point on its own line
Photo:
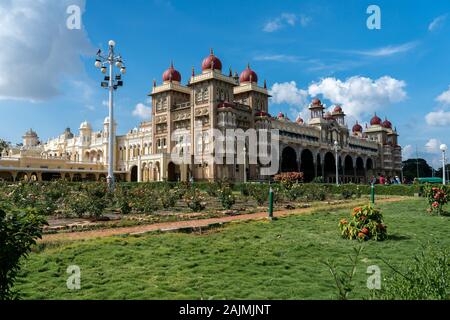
x=172 y=226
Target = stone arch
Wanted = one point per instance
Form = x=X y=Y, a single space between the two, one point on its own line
x=329 y=167
x=6 y=176
x=359 y=166
x=90 y=177
x=307 y=165
x=50 y=176
x=173 y=172
x=289 y=160
x=157 y=171
x=134 y=174
x=22 y=176
x=77 y=177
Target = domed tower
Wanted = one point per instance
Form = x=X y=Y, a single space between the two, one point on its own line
x=249 y=93
x=168 y=97
x=171 y=75
x=339 y=115
x=30 y=139
x=106 y=127
x=316 y=108
x=211 y=62
x=85 y=133
x=248 y=75
x=357 y=130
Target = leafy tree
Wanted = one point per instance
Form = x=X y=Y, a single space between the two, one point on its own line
x=410 y=168
x=4 y=145
x=19 y=229
x=438 y=173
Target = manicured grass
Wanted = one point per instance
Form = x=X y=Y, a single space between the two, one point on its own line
x=253 y=260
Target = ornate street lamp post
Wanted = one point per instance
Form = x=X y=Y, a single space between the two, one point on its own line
x=112 y=82
x=336 y=145
x=443 y=148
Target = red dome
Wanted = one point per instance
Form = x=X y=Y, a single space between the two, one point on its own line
x=171 y=74
x=337 y=109
x=357 y=127
x=280 y=115
x=375 y=120
x=211 y=61
x=248 y=75
x=387 y=124
x=316 y=101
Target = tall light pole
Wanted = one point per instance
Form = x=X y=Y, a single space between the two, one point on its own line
x=245 y=164
x=336 y=144
x=443 y=148
x=112 y=82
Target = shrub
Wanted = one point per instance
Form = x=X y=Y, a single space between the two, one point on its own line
x=121 y=199
x=437 y=197
x=226 y=197
x=295 y=192
x=168 y=198
x=287 y=179
x=143 y=199
x=366 y=223
x=194 y=200
x=19 y=229
x=91 y=199
x=427 y=276
x=259 y=192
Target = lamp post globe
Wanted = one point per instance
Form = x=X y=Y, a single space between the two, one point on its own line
x=98 y=63
x=111 y=43
x=443 y=147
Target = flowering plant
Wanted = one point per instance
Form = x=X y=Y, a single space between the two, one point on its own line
x=366 y=223
x=437 y=198
x=226 y=197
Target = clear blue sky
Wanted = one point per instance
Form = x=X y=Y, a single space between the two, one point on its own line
x=49 y=81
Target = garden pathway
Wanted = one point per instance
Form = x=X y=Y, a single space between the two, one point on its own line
x=178 y=225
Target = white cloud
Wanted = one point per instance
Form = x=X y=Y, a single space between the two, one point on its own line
x=360 y=95
x=407 y=151
x=277 y=57
x=438 y=118
x=142 y=111
x=437 y=22
x=386 y=51
x=39 y=49
x=286 y=19
x=432 y=146
x=287 y=92
x=444 y=97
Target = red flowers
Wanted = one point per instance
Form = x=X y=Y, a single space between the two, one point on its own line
x=366 y=223
x=437 y=198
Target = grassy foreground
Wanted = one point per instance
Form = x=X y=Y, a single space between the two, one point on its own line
x=253 y=260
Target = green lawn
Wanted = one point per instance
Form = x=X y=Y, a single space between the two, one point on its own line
x=253 y=260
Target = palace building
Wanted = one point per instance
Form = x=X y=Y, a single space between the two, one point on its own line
x=211 y=99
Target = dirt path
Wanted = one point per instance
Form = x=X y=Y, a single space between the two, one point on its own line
x=172 y=226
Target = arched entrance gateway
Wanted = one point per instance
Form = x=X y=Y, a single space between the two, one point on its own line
x=360 y=174
x=349 y=172
x=173 y=172
x=329 y=168
x=289 y=160
x=134 y=174
x=307 y=165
